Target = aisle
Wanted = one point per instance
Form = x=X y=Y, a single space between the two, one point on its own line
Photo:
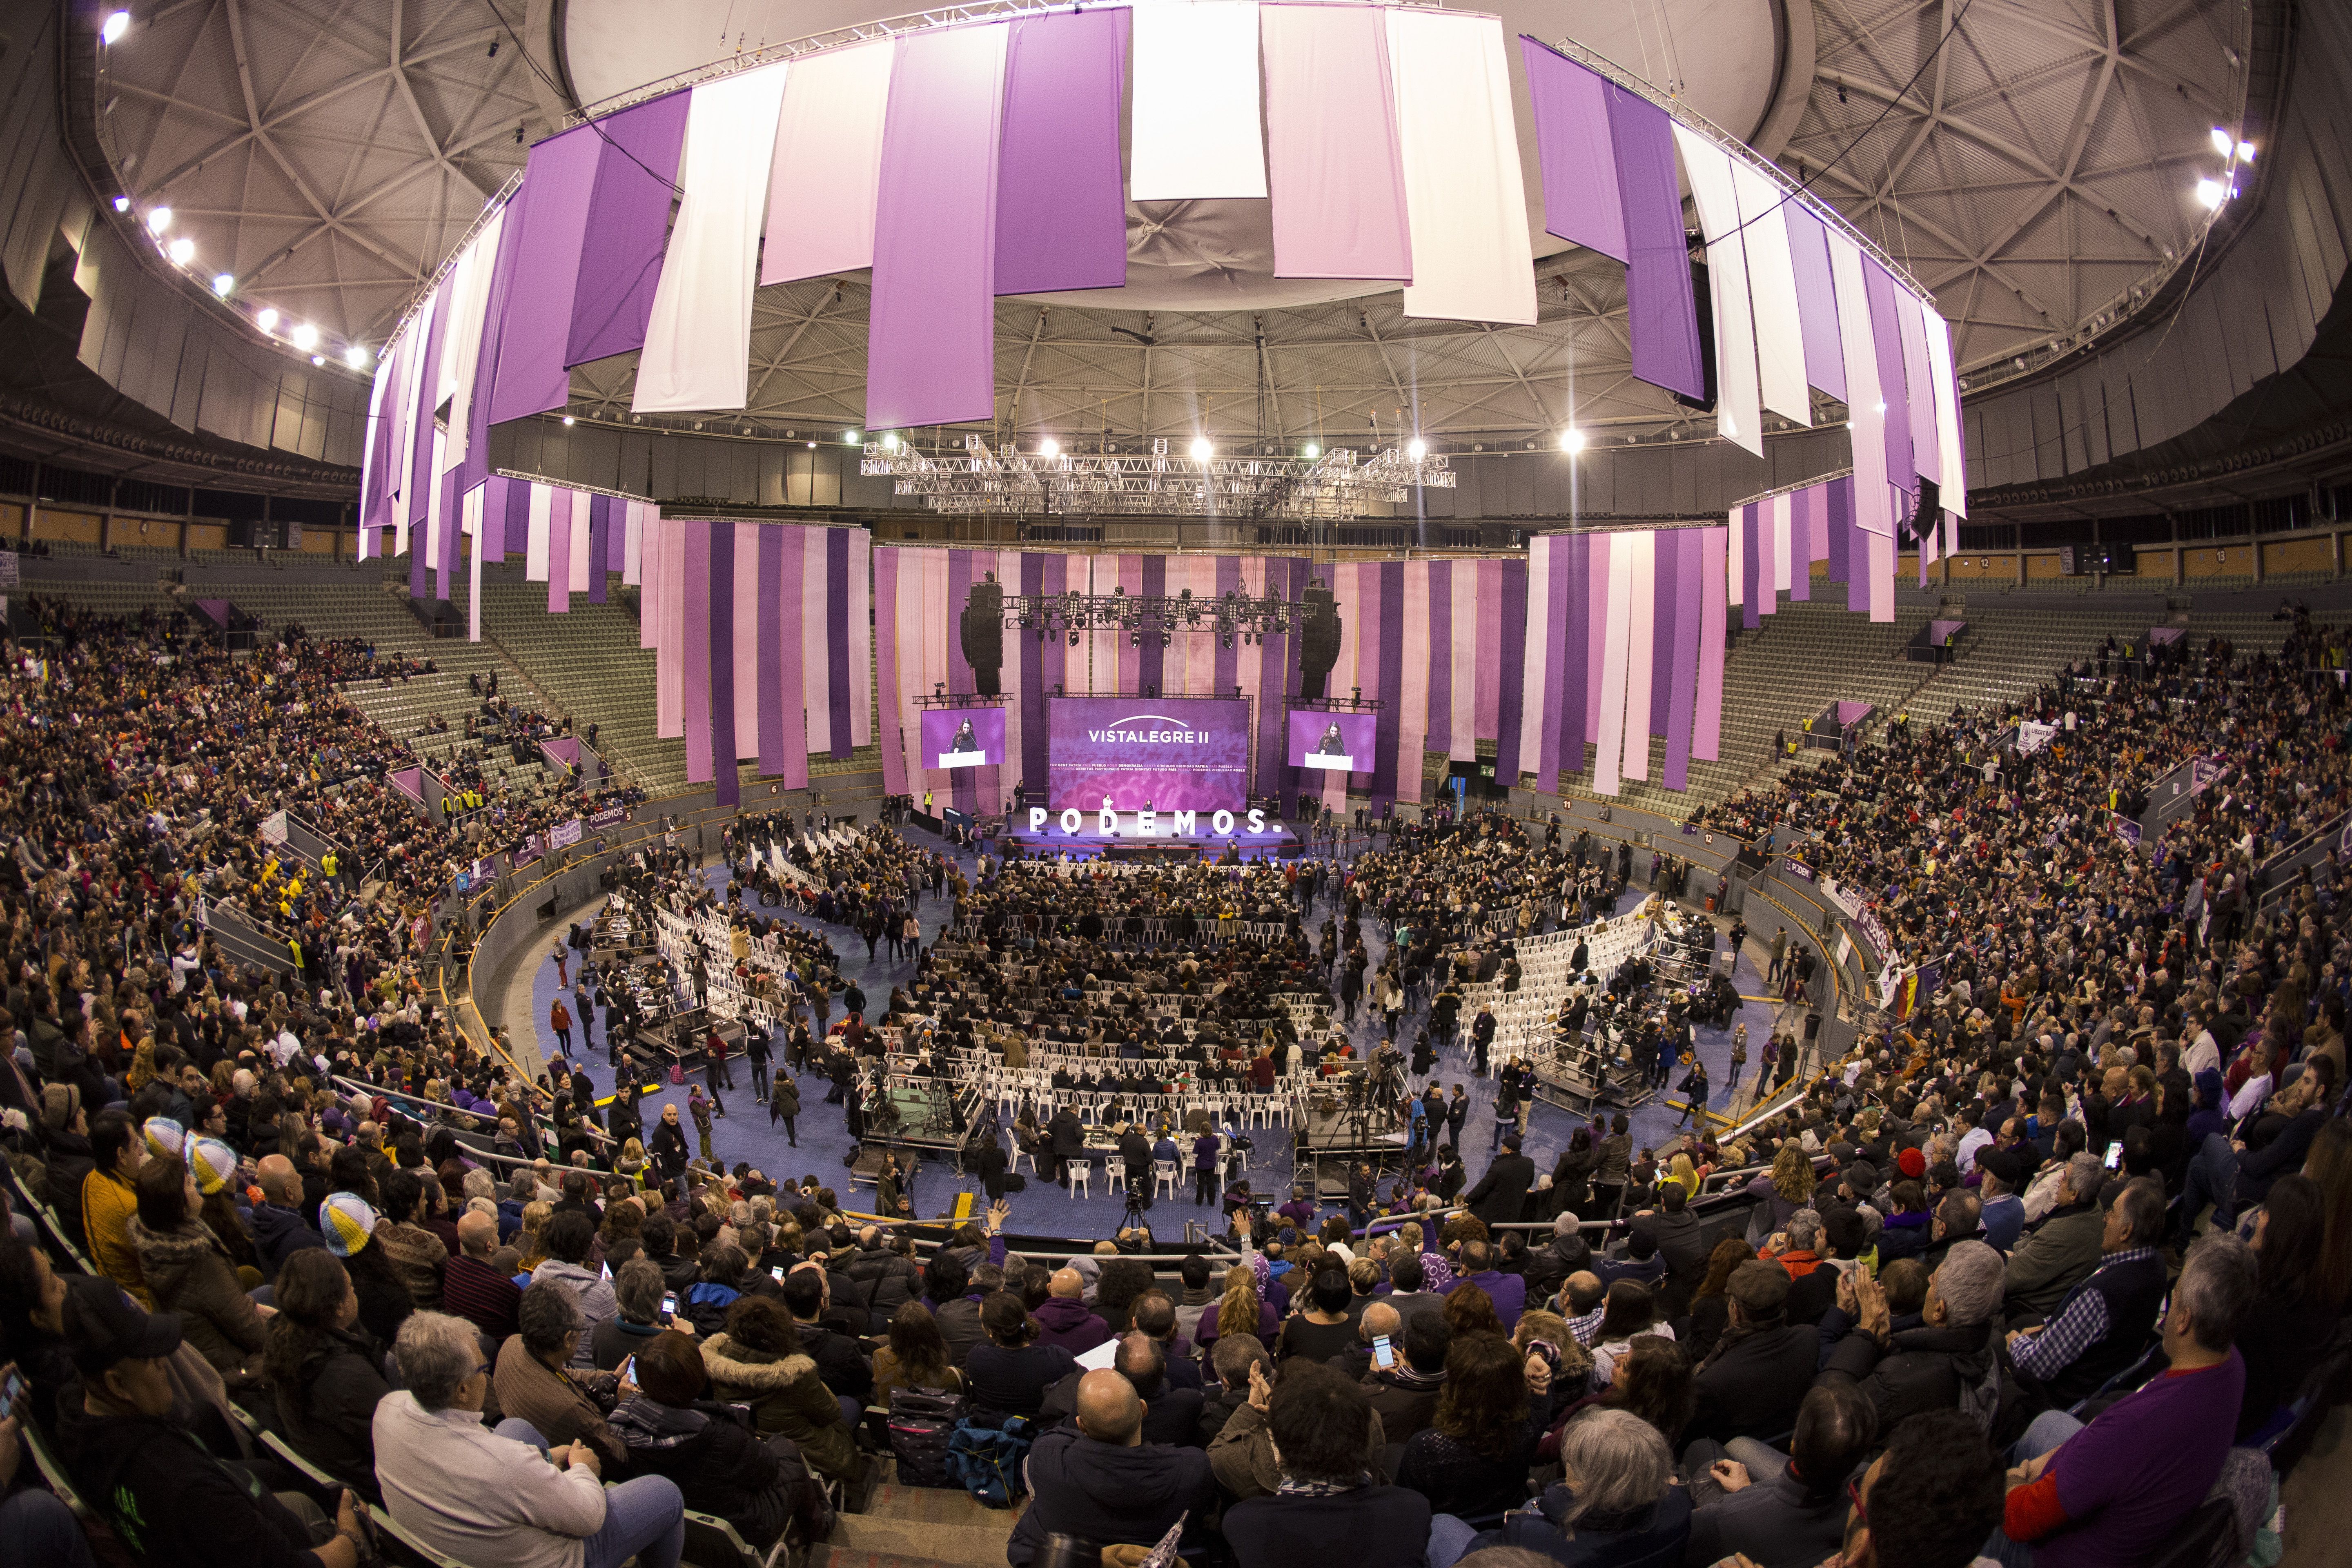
x=824 y=1145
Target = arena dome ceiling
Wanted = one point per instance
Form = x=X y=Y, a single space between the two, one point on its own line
x=2032 y=171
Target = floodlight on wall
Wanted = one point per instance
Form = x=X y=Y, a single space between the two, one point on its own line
x=112 y=30
x=1571 y=441
x=182 y=251
x=1311 y=451
x=123 y=204
x=223 y=283
x=2222 y=141
x=2211 y=194
x=267 y=319
x=569 y=421
x=1416 y=449
x=1203 y=448
x=356 y=356
x=158 y=219
x=304 y=336
x=1049 y=448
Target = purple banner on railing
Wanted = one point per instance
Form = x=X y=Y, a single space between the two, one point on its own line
x=215 y=608
x=409 y=782
x=2162 y=636
x=1795 y=867
x=564 y=750
x=1938 y=631
x=612 y=816
x=529 y=850
x=1851 y=714
x=563 y=835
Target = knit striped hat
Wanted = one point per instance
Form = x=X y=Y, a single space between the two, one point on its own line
x=347 y=1223
x=165 y=1137
x=213 y=1163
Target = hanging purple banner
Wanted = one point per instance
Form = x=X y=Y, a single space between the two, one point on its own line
x=1061 y=205
x=1662 y=314
x=628 y=223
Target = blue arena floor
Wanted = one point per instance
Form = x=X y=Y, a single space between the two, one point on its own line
x=746 y=1133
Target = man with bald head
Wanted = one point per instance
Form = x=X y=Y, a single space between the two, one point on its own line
x=1171 y=1415
x=1097 y=1479
x=1068 y=1321
x=279 y=1231
x=473 y=1289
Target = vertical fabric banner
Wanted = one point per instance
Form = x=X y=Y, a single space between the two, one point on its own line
x=1886 y=339
x=1060 y=202
x=694 y=636
x=1817 y=313
x=669 y=669
x=1952 y=460
x=1462 y=703
x=1599 y=560
x=633 y=545
x=1572 y=682
x=1512 y=694
x=1466 y=203
x=746 y=621
x=535 y=327
x=1192 y=118
x=628 y=221
x=1640 y=611
x=1539 y=721
x=1865 y=410
x=826 y=170
x=1333 y=158
x=1390 y=687
x=887 y=638
x=1437 y=722
x=1772 y=295
x=1738 y=413
x=1616 y=626
x=931 y=335
x=849 y=656
x=698 y=346
x=717 y=637
x=1581 y=204
x=1707 y=718
x=1801 y=543
x=559 y=503
x=540 y=526
x=1660 y=312
x=472 y=528
x=599 y=544
x=1919 y=384
x=490 y=532
x=768 y=637
x=1682 y=582
x=576 y=554
x=1413 y=682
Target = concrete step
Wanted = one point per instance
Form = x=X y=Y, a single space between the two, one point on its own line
x=904 y=1538
x=932 y=1505
x=827 y=1555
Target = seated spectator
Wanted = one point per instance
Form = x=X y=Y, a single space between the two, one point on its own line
x=348 y=1226
x=325 y=1369
x=1232 y=1361
x=1472 y=1460
x=187 y=1271
x=1617 y=1502
x=1629 y=1310
x=1154 y=1314
x=719 y=1467
x=1786 y=1512
x=1679 y=1239
x=1752 y=1383
x=1323 y=1330
x=493 y=1499
x=1949 y=1356
x=161 y=1492
x=1508 y=1291
x=1097 y=1481
x=1065 y=1321
x=638 y=1319
x=278 y=1228
x=539 y=1381
x=1328 y=1505
x=1844 y=1237
x=916 y=1356
x=2000 y=1175
x=840 y=1362
x=2116 y=1490
x=1927 y=1499
x=2100 y=1327
x=569 y=1236
x=32 y=1308
x=726 y=1271
x=471 y=1288
x=421 y=1257
x=1641 y=1264
x=1172 y=1417
x=1011 y=1372
x=1652 y=1379
x=1405 y=1397
x=757 y=1359
x=2060 y=1252
x=2294 y=1311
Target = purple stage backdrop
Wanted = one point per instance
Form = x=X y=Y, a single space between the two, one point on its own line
x=1337 y=743
x=963 y=737
x=1175 y=754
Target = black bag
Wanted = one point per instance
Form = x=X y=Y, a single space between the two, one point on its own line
x=1014 y=1181
x=922 y=1420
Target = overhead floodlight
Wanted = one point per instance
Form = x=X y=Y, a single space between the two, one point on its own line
x=1311 y=451
x=2222 y=141
x=115 y=27
x=182 y=251
x=889 y=442
x=1416 y=449
x=812 y=445
x=1203 y=448
x=304 y=336
x=158 y=219
x=1571 y=441
x=569 y=421
x=317 y=359
x=123 y=204
x=2245 y=152
x=2211 y=194
x=223 y=283
x=849 y=437
x=356 y=356
x=1049 y=448
x=267 y=319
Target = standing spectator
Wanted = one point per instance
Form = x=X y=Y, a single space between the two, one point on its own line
x=559 y=1019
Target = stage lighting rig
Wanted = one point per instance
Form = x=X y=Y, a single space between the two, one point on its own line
x=1006 y=481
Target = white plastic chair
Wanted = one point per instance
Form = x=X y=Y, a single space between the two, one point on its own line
x=1081 y=1175
x=1163 y=1177
x=1114 y=1176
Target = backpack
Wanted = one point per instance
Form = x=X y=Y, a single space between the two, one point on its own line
x=987 y=1459
x=922 y=1421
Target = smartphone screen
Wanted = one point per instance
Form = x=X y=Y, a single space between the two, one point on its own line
x=1384 y=1354
x=12 y=1389
x=779 y=1272
x=2115 y=1155
x=628 y=1369
x=669 y=1305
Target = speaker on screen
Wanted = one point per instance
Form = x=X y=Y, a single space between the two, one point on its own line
x=983 y=636
x=1319 y=638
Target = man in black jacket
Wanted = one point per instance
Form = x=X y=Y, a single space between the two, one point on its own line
x=1791 y=1513
x=1752 y=1383
x=1098 y=1481
x=1135 y=1149
x=1681 y=1242
x=884 y=1276
x=1502 y=1193
x=1933 y=1366
x=1068 y=1138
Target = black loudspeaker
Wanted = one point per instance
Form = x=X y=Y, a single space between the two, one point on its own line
x=983 y=636
x=1318 y=640
x=1705 y=302
x=1930 y=511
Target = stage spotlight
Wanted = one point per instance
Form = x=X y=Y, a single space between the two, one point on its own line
x=1311 y=451
x=1416 y=449
x=569 y=421
x=1203 y=448
x=1049 y=448
x=2211 y=194
x=356 y=356
x=267 y=319
x=849 y=437
x=2245 y=152
x=123 y=204
x=2222 y=141
x=115 y=27
x=1571 y=441
x=304 y=336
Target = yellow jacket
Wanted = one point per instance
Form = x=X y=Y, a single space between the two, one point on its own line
x=107 y=1201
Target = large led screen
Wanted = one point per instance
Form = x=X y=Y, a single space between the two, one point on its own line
x=1172 y=753
x=1337 y=742
x=962 y=737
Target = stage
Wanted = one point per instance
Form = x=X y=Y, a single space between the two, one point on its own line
x=1169 y=836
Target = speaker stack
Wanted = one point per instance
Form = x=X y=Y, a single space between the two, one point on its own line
x=984 y=636
x=1318 y=640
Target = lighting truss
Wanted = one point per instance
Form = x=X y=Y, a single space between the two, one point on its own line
x=1232 y=616
x=1007 y=482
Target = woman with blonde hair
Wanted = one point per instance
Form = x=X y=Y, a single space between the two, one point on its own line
x=631 y=1162
x=1681 y=1171
x=530 y=1250
x=1241 y=1311
x=1787 y=1187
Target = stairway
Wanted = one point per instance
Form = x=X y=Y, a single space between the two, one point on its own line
x=917 y=1527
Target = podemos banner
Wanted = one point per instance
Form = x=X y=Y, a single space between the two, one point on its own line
x=1188 y=754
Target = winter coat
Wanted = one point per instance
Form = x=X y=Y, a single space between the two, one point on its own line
x=1920 y=1369
x=329 y=1416
x=189 y=1272
x=721 y=1468
x=787 y=1398
x=277 y=1235
x=70 y=1161
x=886 y=1280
